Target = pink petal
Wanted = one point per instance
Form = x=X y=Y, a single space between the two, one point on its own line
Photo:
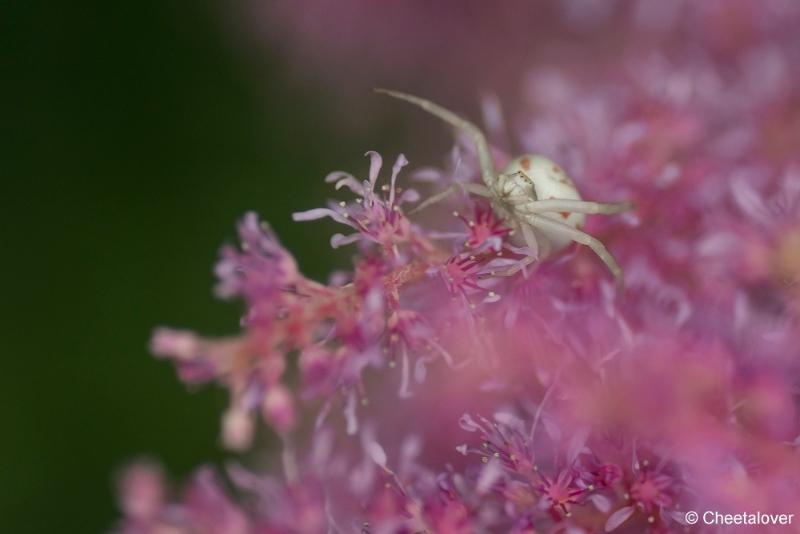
x=619 y=517
x=317 y=213
x=375 y=163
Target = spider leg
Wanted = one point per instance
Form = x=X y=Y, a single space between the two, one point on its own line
x=475 y=189
x=583 y=238
x=576 y=206
x=519 y=200
x=530 y=240
x=481 y=145
x=511 y=271
x=438 y=197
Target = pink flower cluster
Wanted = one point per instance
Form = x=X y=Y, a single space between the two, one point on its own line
x=424 y=392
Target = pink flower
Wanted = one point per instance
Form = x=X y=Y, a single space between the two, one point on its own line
x=203 y=507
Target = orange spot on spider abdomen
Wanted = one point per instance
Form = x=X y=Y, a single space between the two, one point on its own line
x=525 y=163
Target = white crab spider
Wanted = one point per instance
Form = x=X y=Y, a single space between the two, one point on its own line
x=533 y=195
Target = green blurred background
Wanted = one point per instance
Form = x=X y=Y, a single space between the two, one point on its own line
x=135 y=136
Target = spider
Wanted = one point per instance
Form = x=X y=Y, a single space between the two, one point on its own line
x=533 y=195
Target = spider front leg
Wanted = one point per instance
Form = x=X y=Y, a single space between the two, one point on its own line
x=583 y=238
x=533 y=244
x=558 y=205
x=475 y=189
x=488 y=172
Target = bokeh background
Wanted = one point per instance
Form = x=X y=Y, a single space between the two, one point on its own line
x=135 y=135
